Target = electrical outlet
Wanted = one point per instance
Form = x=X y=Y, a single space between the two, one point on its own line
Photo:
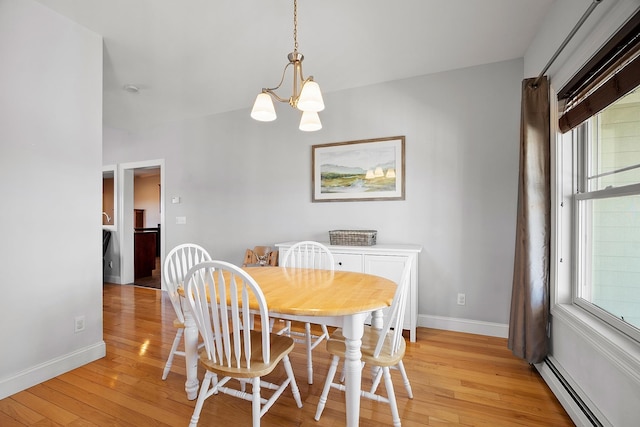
x=79 y=324
x=462 y=299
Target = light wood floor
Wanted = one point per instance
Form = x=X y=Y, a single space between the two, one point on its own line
x=457 y=379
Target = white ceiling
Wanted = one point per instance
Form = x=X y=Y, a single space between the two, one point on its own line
x=197 y=57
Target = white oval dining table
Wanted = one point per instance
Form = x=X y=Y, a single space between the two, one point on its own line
x=335 y=298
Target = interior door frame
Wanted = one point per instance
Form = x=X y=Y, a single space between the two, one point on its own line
x=125 y=215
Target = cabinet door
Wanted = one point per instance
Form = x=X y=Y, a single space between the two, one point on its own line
x=138 y=218
x=390 y=267
x=348 y=262
x=144 y=247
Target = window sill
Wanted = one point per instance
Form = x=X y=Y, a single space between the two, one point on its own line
x=621 y=350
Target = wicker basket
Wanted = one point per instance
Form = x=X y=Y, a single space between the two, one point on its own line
x=353 y=237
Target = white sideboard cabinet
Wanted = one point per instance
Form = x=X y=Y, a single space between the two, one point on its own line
x=387 y=261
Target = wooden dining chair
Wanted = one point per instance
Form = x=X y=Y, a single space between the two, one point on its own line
x=309 y=254
x=219 y=295
x=179 y=260
x=383 y=349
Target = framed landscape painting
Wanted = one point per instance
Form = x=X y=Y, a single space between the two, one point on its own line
x=370 y=169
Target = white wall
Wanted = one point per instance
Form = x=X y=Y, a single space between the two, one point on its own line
x=601 y=365
x=244 y=183
x=51 y=184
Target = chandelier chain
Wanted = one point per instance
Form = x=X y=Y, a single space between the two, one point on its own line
x=295 y=25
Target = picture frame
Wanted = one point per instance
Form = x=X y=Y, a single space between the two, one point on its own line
x=363 y=170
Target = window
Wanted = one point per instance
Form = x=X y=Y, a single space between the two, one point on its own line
x=607 y=210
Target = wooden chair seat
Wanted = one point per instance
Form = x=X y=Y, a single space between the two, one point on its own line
x=280 y=347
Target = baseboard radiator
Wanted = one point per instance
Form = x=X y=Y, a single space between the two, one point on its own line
x=586 y=416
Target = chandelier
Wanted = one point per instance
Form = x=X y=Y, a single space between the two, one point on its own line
x=306 y=95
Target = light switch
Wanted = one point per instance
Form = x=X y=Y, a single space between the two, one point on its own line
x=181 y=220
x=175 y=199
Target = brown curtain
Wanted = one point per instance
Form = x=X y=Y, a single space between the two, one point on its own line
x=530 y=295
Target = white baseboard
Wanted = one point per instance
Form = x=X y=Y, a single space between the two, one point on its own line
x=112 y=279
x=464 y=325
x=50 y=369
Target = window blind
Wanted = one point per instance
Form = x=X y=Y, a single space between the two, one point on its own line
x=612 y=73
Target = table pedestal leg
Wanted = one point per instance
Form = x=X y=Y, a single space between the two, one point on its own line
x=352 y=330
x=191 y=353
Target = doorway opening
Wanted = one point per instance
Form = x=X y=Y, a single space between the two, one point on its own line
x=141 y=210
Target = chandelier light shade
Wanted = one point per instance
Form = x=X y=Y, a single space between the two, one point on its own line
x=310 y=121
x=306 y=95
x=263 y=109
x=310 y=98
